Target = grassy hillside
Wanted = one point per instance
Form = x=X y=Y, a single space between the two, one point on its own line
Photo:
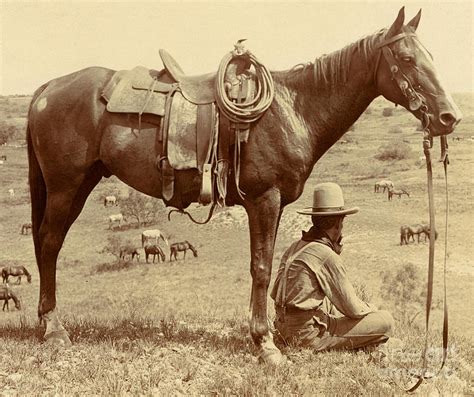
x=181 y=328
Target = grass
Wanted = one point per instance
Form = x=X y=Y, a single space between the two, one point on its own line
x=182 y=328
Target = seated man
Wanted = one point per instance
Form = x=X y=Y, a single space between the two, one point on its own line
x=312 y=277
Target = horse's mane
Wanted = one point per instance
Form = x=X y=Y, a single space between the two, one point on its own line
x=333 y=68
x=25 y=271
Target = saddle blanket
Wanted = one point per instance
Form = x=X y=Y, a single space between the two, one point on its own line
x=122 y=97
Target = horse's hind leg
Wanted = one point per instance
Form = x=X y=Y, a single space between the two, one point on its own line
x=264 y=215
x=62 y=209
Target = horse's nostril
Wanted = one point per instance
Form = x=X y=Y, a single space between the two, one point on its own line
x=448 y=119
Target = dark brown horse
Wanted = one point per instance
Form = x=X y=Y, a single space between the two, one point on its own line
x=6 y=294
x=73 y=142
x=15 y=271
x=154 y=249
x=181 y=247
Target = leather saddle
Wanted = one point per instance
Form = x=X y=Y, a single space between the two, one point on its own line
x=190 y=134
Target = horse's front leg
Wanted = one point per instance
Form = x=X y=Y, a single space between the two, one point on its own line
x=264 y=215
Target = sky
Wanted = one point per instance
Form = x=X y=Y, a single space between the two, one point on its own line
x=42 y=40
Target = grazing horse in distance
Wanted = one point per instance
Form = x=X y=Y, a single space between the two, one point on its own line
x=419 y=229
x=154 y=249
x=384 y=184
x=405 y=234
x=15 y=271
x=110 y=200
x=399 y=193
x=116 y=219
x=26 y=227
x=6 y=293
x=313 y=107
x=181 y=247
x=153 y=234
x=129 y=251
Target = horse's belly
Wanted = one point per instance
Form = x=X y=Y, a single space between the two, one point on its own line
x=132 y=155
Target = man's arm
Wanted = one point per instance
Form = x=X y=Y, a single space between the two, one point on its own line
x=335 y=284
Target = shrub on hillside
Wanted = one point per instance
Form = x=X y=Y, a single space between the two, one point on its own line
x=403 y=288
x=387 y=112
x=393 y=151
x=7 y=131
x=142 y=208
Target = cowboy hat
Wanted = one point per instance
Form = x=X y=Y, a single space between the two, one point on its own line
x=328 y=200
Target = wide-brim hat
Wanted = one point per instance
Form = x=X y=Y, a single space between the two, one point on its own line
x=328 y=200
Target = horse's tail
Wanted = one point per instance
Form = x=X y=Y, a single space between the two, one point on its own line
x=36 y=182
x=143 y=240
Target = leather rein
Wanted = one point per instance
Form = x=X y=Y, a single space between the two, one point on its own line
x=416 y=102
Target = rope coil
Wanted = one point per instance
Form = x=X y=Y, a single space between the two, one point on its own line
x=248 y=111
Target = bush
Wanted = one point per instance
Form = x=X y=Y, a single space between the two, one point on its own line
x=395 y=130
x=6 y=132
x=404 y=289
x=393 y=151
x=387 y=112
x=142 y=208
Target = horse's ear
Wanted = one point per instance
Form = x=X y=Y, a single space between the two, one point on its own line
x=415 y=21
x=397 y=25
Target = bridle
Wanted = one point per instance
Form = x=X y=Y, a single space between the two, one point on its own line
x=416 y=102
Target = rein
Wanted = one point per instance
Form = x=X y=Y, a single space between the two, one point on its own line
x=416 y=102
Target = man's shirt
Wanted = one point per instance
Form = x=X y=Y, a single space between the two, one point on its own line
x=316 y=272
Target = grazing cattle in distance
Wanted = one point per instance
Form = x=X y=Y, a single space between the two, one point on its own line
x=26 y=227
x=110 y=200
x=130 y=251
x=154 y=249
x=116 y=219
x=181 y=247
x=6 y=293
x=384 y=184
x=399 y=193
x=153 y=234
x=15 y=271
x=3 y=157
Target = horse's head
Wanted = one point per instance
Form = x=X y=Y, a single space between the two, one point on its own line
x=405 y=74
x=28 y=277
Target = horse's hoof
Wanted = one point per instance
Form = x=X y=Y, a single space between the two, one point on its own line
x=57 y=338
x=271 y=357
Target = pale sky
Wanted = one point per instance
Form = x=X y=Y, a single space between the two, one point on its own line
x=41 y=40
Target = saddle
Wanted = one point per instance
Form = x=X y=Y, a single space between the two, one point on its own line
x=191 y=133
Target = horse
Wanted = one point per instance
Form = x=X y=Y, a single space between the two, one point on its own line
x=11 y=193
x=405 y=235
x=154 y=249
x=384 y=184
x=26 y=227
x=399 y=193
x=73 y=142
x=181 y=247
x=153 y=234
x=110 y=200
x=116 y=219
x=6 y=294
x=129 y=251
x=15 y=271
x=419 y=229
